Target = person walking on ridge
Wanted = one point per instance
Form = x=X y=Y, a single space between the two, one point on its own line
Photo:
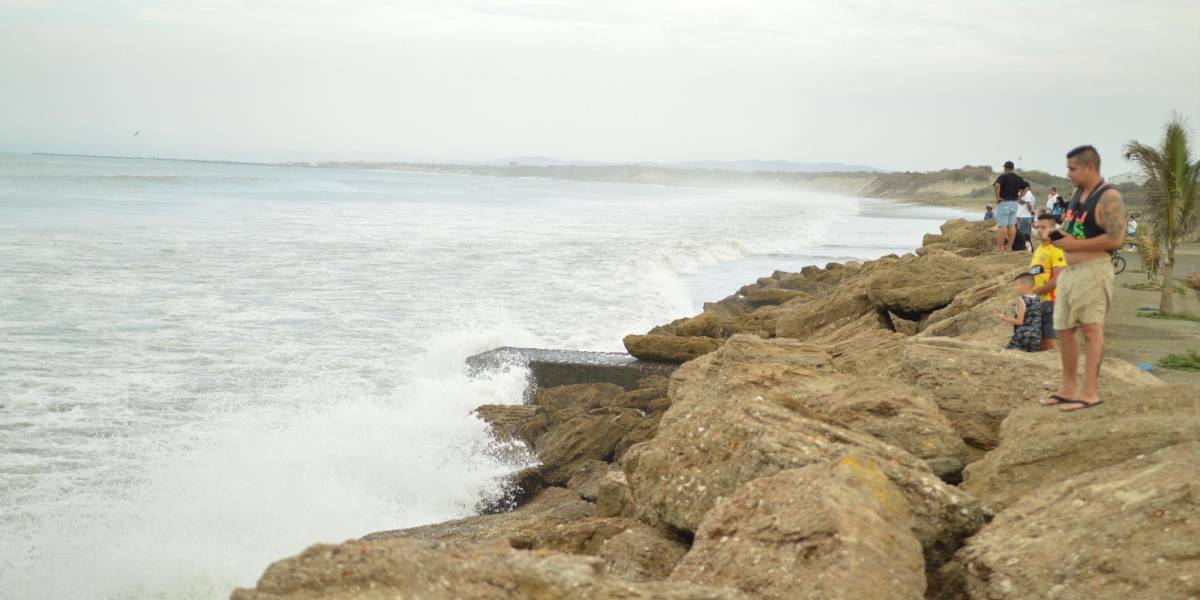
x=1007 y=186
x=1094 y=225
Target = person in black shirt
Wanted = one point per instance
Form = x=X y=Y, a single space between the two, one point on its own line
x=1008 y=186
x=1093 y=225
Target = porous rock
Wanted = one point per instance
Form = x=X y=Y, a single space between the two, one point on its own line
x=708 y=447
x=669 y=348
x=613 y=498
x=839 y=530
x=801 y=377
x=520 y=528
x=582 y=428
x=913 y=287
x=1041 y=446
x=977 y=385
x=415 y=568
x=1129 y=530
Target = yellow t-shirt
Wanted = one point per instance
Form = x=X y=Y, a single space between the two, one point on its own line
x=1045 y=259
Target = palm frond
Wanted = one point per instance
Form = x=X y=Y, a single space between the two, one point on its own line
x=1172 y=182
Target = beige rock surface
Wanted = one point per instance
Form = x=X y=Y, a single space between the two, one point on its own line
x=410 y=568
x=963 y=237
x=523 y=423
x=1129 y=530
x=520 y=528
x=801 y=377
x=1041 y=446
x=912 y=287
x=977 y=385
x=582 y=428
x=830 y=531
x=669 y=348
x=613 y=498
x=586 y=478
x=705 y=450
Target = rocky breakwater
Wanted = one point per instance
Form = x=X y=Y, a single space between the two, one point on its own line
x=846 y=432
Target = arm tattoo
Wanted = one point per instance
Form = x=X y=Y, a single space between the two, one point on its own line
x=1113 y=209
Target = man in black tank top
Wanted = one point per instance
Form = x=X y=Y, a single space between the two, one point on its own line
x=1094 y=224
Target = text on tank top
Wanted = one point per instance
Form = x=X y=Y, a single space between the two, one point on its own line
x=1079 y=221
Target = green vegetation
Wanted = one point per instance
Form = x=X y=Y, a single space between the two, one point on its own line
x=1189 y=361
x=1158 y=314
x=1173 y=195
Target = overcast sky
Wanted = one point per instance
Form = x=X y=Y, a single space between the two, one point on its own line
x=920 y=84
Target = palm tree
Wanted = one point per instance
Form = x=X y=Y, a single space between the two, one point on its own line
x=1173 y=188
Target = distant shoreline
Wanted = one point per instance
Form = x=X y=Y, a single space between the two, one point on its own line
x=968 y=187
x=186 y=160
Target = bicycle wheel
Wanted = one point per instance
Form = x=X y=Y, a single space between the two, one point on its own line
x=1118 y=264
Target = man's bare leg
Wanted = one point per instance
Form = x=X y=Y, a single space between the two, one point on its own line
x=1010 y=237
x=1094 y=351
x=999 y=239
x=1068 y=351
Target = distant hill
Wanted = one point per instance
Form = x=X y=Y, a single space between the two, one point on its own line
x=740 y=166
x=968 y=186
x=771 y=166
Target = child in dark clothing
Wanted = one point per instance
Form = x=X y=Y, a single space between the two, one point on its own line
x=1027 y=325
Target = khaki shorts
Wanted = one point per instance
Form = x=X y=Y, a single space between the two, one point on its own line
x=1084 y=293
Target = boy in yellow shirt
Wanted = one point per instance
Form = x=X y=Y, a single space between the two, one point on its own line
x=1047 y=262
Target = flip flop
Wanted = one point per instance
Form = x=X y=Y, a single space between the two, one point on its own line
x=1056 y=399
x=1082 y=405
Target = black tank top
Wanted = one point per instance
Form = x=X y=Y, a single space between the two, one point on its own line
x=1079 y=221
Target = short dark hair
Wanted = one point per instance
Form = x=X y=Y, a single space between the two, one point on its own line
x=1008 y=164
x=1086 y=154
x=1024 y=276
x=1047 y=217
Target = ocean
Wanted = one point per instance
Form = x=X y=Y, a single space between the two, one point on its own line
x=207 y=367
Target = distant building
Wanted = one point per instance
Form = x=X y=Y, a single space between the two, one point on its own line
x=1131 y=177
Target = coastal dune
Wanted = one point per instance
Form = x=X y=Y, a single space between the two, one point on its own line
x=845 y=432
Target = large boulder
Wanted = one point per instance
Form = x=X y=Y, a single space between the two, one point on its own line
x=641 y=554
x=630 y=549
x=520 y=528
x=971 y=316
x=817 y=281
x=1129 y=530
x=523 y=423
x=669 y=348
x=767 y=296
x=414 y=568
x=977 y=385
x=587 y=423
x=580 y=433
x=613 y=498
x=1041 y=446
x=912 y=287
x=706 y=448
x=801 y=377
x=558 y=519
x=963 y=237
x=836 y=530
x=865 y=346
x=843 y=305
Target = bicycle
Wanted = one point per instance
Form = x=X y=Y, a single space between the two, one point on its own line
x=1118 y=262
